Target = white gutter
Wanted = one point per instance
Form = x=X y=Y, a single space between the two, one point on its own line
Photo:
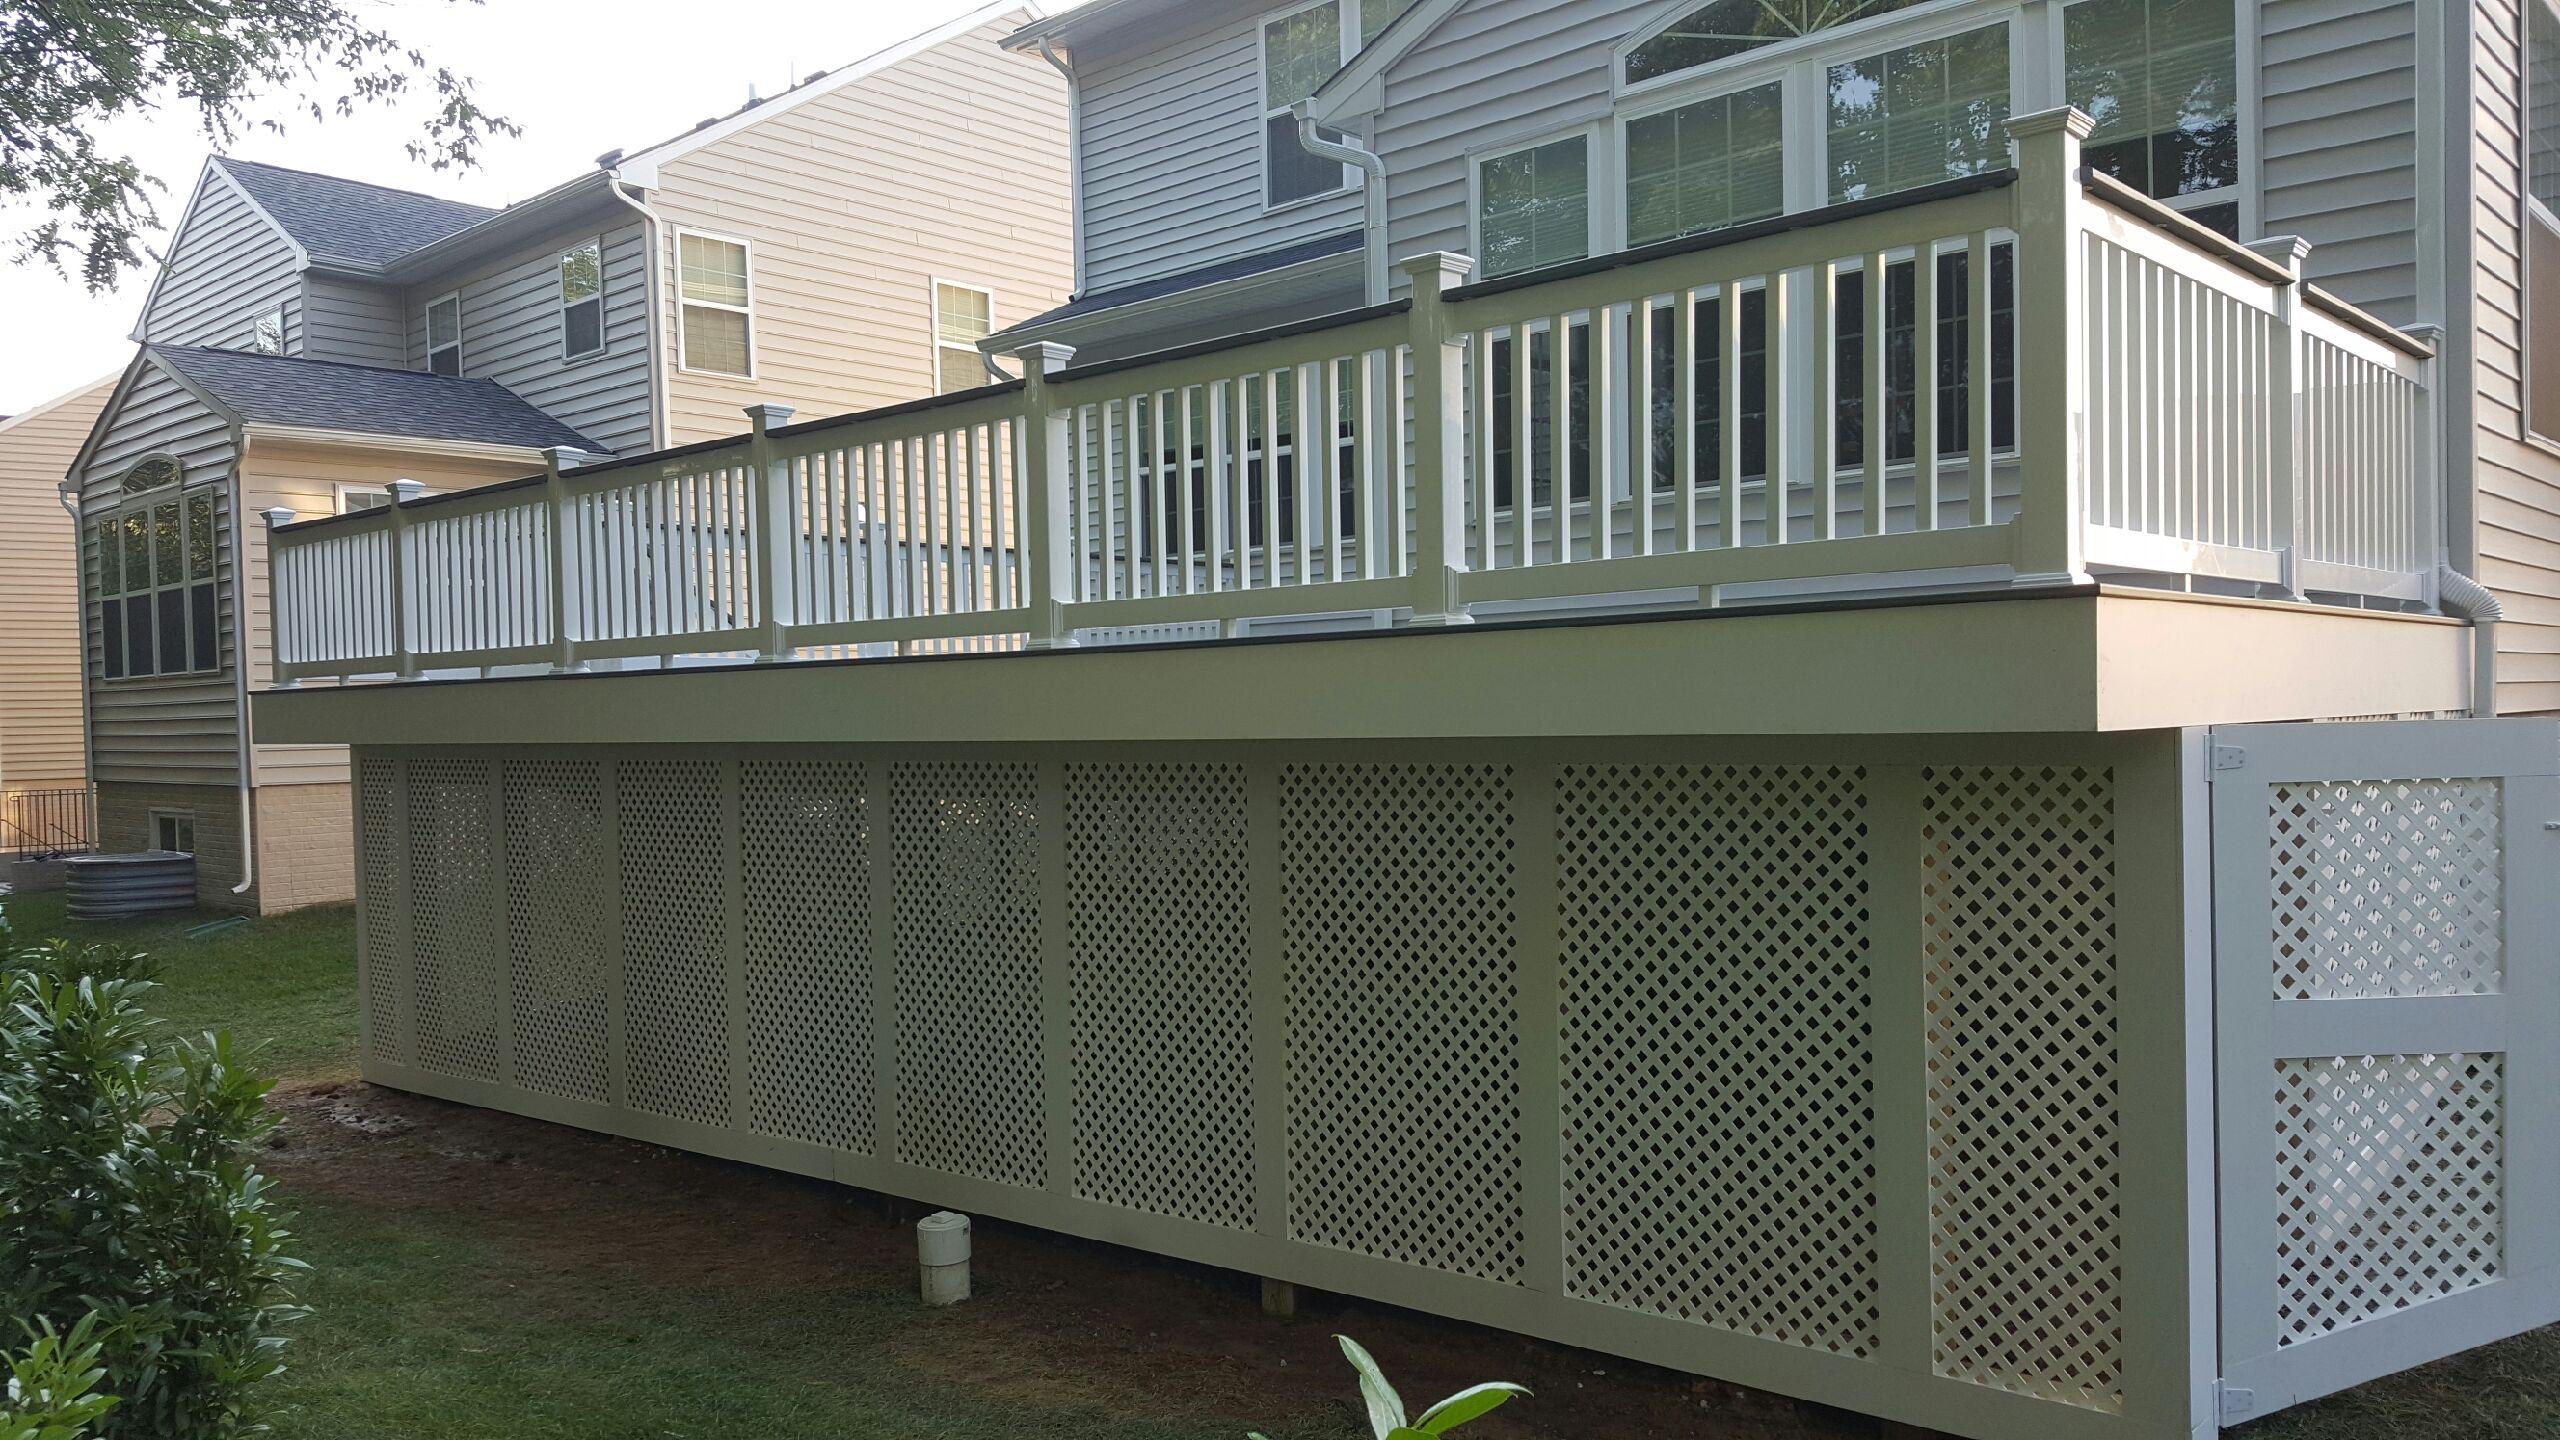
x=67 y=491
x=1373 y=196
x=1075 y=151
x=657 y=330
x=2459 y=594
x=240 y=661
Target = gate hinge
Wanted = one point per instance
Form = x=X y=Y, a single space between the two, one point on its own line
x=2234 y=1403
x=2229 y=757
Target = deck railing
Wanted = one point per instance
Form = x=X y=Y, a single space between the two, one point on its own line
x=2027 y=376
x=44 y=822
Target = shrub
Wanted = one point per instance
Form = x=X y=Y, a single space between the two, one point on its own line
x=130 y=1200
x=1386 y=1408
x=53 y=1388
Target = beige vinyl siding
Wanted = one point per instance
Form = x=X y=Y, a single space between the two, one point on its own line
x=40 y=744
x=2518 y=529
x=304 y=479
x=1172 y=137
x=951 y=164
x=511 y=331
x=227 y=266
x=163 y=729
x=352 y=321
x=2338 y=129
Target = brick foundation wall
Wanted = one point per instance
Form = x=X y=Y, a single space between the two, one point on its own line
x=306 y=846
x=124 y=824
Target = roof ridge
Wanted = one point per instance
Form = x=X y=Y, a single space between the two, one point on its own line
x=229 y=160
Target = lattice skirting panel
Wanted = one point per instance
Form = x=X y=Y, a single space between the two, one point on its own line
x=1802 y=1065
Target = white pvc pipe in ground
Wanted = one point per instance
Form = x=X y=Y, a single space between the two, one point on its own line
x=942 y=1257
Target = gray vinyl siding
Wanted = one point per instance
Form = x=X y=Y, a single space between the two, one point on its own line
x=511 y=334
x=180 y=729
x=352 y=321
x=2338 y=127
x=227 y=266
x=1489 y=73
x=1172 y=146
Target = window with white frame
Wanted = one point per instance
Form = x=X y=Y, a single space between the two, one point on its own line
x=1300 y=51
x=266 y=333
x=582 y=300
x=963 y=315
x=353 y=498
x=718 y=295
x=1533 y=206
x=174 y=830
x=444 y=335
x=2159 y=77
x=155 y=576
x=2542 y=220
x=1706 y=164
x=1915 y=114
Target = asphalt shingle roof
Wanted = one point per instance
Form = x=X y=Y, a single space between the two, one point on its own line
x=349 y=219
x=1220 y=273
x=325 y=395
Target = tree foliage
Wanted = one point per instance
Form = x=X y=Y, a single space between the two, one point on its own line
x=67 y=67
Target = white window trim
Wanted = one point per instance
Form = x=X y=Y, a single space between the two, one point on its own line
x=182 y=495
x=604 y=342
x=340 y=493
x=276 y=313
x=1604 y=223
x=188 y=816
x=934 y=285
x=2527 y=211
x=1347 y=16
x=747 y=249
x=427 y=330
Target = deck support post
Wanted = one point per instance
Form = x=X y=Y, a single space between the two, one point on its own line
x=404 y=492
x=556 y=525
x=276 y=516
x=1279 y=1299
x=777 y=525
x=2284 y=385
x=1439 y=440
x=2051 y=529
x=1048 y=552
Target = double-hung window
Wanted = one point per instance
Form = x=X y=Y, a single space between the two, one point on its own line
x=582 y=300
x=2159 y=78
x=2542 y=220
x=444 y=335
x=963 y=315
x=1300 y=51
x=1533 y=206
x=716 y=317
x=156 y=576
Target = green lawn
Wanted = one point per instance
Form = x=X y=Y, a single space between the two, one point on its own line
x=442 y=1314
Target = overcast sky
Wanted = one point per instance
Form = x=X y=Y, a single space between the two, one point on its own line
x=581 y=78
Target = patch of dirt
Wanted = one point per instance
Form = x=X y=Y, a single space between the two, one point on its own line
x=1055 y=1320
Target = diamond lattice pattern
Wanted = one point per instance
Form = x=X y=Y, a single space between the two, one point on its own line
x=2019 y=948
x=1398 y=924
x=804 y=832
x=2386 y=888
x=971 y=1094
x=1719 y=1160
x=675 y=857
x=455 y=913
x=1160 y=979
x=559 y=861
x=383 y=945
x=2389 y=1185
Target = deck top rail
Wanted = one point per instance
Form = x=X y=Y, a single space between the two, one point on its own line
x=2026 y=376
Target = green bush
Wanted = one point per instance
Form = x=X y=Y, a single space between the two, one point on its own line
x=53 y=1388
x=1386 y=1408
x=130 y=1198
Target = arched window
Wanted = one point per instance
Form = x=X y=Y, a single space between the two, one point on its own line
x=156 y=572
x=150 y=473
x=1726 y=28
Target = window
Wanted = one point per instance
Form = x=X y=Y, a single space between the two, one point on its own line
x=2160 y=77
x=1922 y=113
x=1300 y=51
x=582 y=300
x=353 y=498
x=266 y=333
x=962 y=316
x=155 y=579
x=716 y=321
x=1733 y=27
x=2542 y=221
x=1533 y=206
x=1705 y=165
x=444 y=336
x=173 y=830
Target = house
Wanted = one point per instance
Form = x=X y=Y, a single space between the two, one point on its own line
x=44 y=775
x=1893 y=792
x=313 y=340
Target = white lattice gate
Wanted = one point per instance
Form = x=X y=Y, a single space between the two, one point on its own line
x=2388 y=1037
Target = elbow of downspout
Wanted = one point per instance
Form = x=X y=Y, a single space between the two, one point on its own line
x=661 y=424
x=1373 y=194
x=1065 y=66
x=2461 y=595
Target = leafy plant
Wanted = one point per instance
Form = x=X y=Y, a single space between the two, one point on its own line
x=130 y=1198
x=53 y=1388
x=1386 y=1408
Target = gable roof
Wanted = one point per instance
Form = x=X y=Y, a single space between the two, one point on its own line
x=1353 y=89
x=349 y=220
x=364 y=399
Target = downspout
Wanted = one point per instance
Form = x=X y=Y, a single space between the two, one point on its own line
x=68 y=492
x=1075 y=152
x=240 y=661
x=2459 y=594
x=1373 y=196
x=659 y=424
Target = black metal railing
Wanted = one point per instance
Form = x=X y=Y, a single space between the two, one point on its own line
x=44 y=822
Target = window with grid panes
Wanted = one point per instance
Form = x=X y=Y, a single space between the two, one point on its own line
x=154 y=573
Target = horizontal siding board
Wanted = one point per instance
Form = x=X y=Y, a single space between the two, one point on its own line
x=350 y=321
x=40 y=735
x=511 y=331
x=226 y=267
